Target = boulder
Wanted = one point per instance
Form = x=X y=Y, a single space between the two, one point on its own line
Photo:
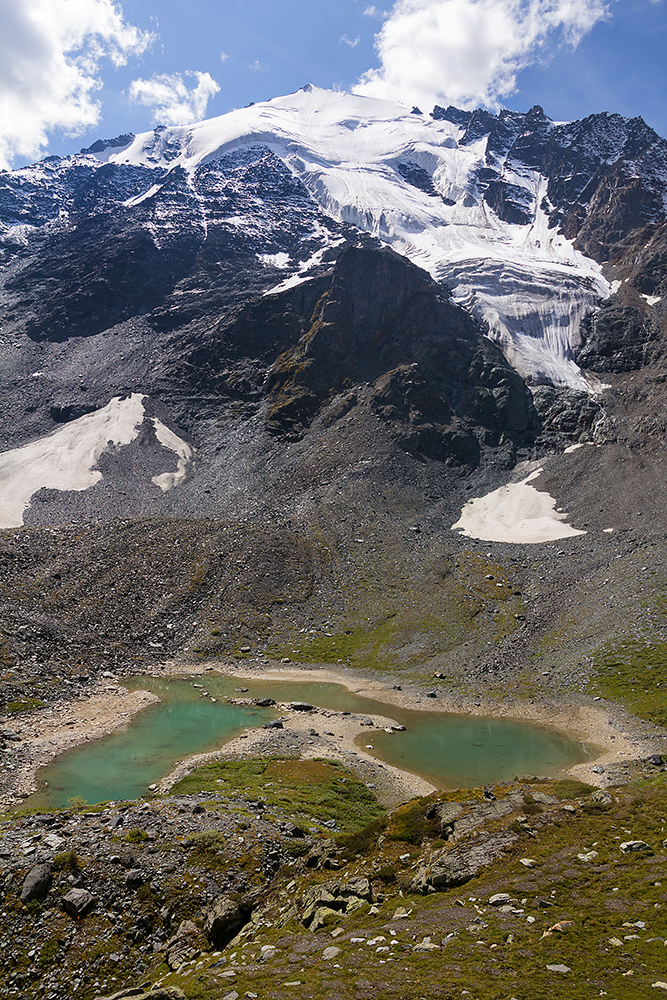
x=134 y=878
x=636 y=846
x=225 y=918
x=456 y=867
x=301 y=706
x=186 y=944
x=78 y=902
x=323 y=903
x=37 y=883
x=140 y=993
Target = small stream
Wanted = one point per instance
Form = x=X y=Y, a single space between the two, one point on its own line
x=448 y=750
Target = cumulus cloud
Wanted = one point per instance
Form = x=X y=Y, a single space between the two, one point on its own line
x=469 y=52
x=50 y=53
x=173 y=102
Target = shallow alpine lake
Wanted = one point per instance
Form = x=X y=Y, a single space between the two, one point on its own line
x=449 y=750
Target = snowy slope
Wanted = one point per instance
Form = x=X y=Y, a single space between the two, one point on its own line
x=361 y=159
x=68 y=459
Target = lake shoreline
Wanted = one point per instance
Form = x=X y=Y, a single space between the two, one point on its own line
x=49 y=732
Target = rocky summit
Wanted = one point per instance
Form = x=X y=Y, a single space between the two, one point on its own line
x=332 y=384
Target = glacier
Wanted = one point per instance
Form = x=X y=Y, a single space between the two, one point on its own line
x=361 y=160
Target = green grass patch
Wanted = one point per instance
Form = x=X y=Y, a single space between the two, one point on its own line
x=136 y=837
x=568 y=788
x=307 y=790
x=24 y=705
x=410 y=824
x=634 y=674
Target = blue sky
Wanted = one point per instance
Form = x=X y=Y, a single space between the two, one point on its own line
x=101 y=67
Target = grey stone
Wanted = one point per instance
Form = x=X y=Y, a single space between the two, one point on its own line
x=273 y=724
x=635 y=846
x=330 y=952
x=78 y=902
x=301 y=706
x=185 y=945
x=156 y=993
x=559 y=968
x=446 y=813
x=134 y=878
x=327 y=901
x=456 y=867
x=37 y=883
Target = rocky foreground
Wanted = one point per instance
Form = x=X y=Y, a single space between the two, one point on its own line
x=303 y=886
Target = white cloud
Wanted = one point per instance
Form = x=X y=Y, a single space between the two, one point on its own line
x=352 y=42
x=258 y=67
x=50 y=52
x=469 y=52
x=374 y=11
x=173 y=102
x=224 y=56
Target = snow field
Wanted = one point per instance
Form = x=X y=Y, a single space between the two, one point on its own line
x=67 y=459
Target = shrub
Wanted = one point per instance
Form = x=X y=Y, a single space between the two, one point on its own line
x=387 y=874
x=68 y=861
x=410 y=824
x=206 y=842
x=364 y=840
x=76 y=802
x=136 y=836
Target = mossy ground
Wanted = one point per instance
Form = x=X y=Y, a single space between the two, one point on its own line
x=307 y=790
x=635 y=674
x=611 y=908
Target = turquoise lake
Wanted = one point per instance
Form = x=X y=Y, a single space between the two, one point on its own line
x=449 y=750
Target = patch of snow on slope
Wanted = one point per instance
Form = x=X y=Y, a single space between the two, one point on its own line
x=347 y=151
x=67 y=459
x=280 y=260
x=517 y=513
x=167 y=480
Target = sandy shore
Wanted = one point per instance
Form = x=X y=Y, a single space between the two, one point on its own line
x=49 y=732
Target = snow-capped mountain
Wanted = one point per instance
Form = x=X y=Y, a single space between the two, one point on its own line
x=220 y=271
x=484 y=203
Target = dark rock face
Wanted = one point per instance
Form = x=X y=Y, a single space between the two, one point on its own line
x=606 y=182
x=620 y=339
x=225 y=918
x=384 y=320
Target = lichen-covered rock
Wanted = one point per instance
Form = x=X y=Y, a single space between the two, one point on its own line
x=186 y=944
x=139 y=993
x=458 y=866
x=325 y=902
